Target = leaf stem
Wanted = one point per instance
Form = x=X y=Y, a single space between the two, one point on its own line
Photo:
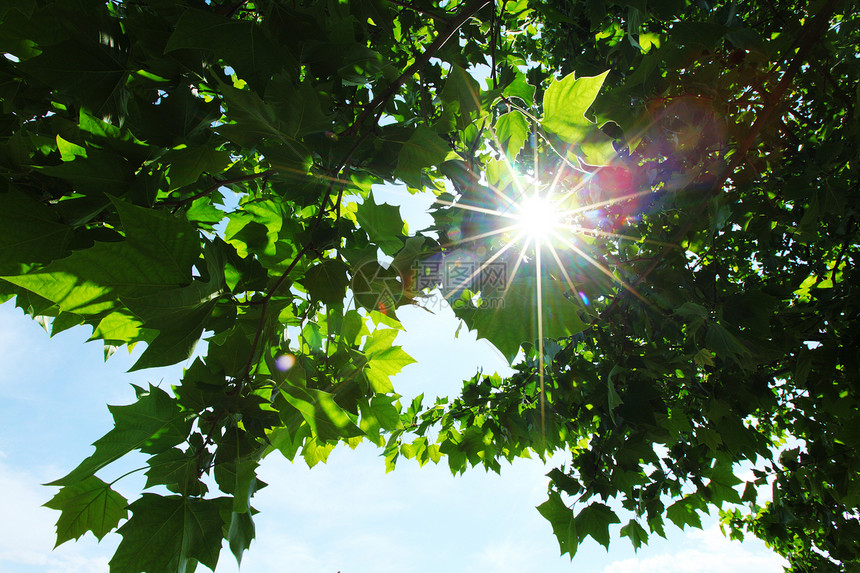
x=127 y=474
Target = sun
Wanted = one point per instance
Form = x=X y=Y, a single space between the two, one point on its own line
x=538 y=217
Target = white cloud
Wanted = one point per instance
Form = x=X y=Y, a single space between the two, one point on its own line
x=26 y=531
x=705 y=551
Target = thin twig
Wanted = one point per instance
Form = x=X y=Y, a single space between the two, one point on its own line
x=215 y=187
x=262 y=322
x=467 y=12
x=417 y=10
x=494 y=31
x=841 y=254
x=334 y=179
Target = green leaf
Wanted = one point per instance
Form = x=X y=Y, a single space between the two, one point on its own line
x=691 y=310
x=383 y=224
x=314 y=451
x=89 y=505
x=509 y=319
x=99 y=173
x=613 y=399
x=722 y=484
x=186 y=165
x=724 y=343
x=512 y=129
x=564 y=482
x=462 y=95
x=595 y=520
x=65 y=321
x=118 y=328
x=520 y=88
x=152 y=424
x=94 y=72
x=256 y=119
x=243 y=44
x=24 y=6
x=353 y=327
x=32 y=233
x=113 y=137
x=423 y=149
x=240 y=534
x=383 y=359
x=327 y=420
x=236 y=463
x=563 y=523
x=565 y=103
x=704 y=357
x=636 y=533
x=177 y=471
x=385 y=412
x=68 y=150
x=158 y=252
x=683 y=512
x=179 y=315
x=327 y=282
x=171 y=533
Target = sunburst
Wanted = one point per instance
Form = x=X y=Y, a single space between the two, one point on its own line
x=538 y=217
x=542 y=219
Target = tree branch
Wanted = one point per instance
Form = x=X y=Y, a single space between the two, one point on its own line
x=262 y=322
x=467 y=12
x=809 y=37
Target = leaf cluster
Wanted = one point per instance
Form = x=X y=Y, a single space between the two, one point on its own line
x=203 y=170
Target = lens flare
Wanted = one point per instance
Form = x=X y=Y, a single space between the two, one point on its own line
x=584 y=297
x=454 y=234
x=284 y=362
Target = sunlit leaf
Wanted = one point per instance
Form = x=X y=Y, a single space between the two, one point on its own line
x=89 y=505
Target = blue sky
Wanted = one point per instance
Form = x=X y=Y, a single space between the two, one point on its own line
x=347 y=515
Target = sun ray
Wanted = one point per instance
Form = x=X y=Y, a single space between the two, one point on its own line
x=486 y=235
x=510 y=201
x=587 y=231
x=540 y=222
x=601 y=268
x=514 y=175
x=567 y=278
x=537 y=239
x=520 y=259
x=612 y=201
x=480 y=268
x=540 y=334
x=483 y=210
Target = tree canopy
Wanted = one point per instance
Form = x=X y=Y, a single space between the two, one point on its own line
x=649 y=207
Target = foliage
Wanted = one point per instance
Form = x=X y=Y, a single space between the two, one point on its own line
x=173 y=171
